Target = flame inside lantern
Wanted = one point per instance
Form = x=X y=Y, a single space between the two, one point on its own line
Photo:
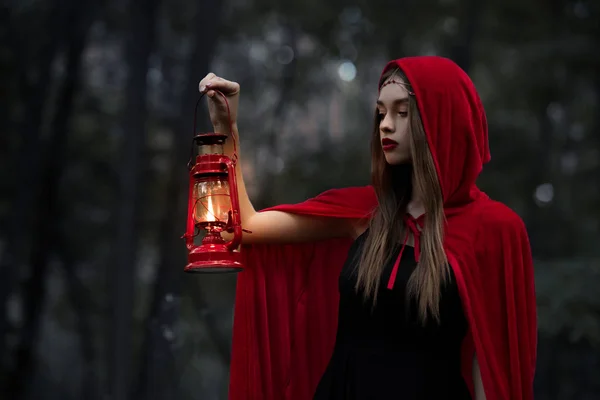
x=212 y=201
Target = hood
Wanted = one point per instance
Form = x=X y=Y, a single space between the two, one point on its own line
x=454 y=122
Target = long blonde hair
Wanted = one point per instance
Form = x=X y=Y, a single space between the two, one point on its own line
x=393 y=186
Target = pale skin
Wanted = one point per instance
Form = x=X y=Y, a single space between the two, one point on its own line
x=392 y=107
x=281 y=227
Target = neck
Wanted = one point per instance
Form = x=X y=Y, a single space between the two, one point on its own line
x=416 y=206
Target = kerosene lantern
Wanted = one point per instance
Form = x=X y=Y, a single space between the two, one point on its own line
x=213 y=207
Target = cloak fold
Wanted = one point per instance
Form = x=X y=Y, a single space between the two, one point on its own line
x=285 y=319
x=287 y=303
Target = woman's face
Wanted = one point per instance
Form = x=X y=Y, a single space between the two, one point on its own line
x=392 y=107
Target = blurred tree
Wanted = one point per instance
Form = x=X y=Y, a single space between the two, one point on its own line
x=158 y=377
x=461 y=50
x=32 y=67
x=139 y=46
x=269 y=191
x=46 y=208
x=81 y=303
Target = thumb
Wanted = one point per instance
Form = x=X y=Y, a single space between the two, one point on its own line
x=215 y=97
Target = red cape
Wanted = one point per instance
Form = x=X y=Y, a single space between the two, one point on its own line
x=287 y=297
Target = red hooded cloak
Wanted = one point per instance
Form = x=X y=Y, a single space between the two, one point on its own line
x=287 y=297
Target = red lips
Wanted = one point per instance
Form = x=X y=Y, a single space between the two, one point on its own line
x=388 y=144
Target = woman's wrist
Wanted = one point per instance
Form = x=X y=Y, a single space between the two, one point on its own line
x=225 y=128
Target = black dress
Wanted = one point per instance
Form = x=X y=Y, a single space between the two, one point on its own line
x=385 y=353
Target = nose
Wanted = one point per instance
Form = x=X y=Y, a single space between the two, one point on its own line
x=387 y=124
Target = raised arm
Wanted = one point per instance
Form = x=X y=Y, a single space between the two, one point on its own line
x=268 y=226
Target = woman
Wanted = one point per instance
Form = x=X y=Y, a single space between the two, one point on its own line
x=436 y=293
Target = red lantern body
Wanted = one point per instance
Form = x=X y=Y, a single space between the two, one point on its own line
x=213 y=206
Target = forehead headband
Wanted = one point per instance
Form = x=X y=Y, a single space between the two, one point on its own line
x=400 y=83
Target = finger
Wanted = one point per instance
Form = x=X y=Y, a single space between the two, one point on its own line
x=215 y=98
x=217 y=83
x=218 y=99
x=205 y=80
x=224 y=86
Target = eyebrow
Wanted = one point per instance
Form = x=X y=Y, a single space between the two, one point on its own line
x=395 y=102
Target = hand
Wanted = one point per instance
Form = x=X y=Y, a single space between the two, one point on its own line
x=216 y=103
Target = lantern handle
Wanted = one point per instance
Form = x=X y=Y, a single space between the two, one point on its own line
x=235 y=156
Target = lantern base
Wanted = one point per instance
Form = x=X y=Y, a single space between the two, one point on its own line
x=216 y=268
x=213 y=259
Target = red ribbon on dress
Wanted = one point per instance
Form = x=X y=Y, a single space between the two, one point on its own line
x=414 y=226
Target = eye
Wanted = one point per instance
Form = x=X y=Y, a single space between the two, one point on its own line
x=403 y=114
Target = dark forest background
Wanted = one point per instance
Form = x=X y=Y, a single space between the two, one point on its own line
x=96 y=111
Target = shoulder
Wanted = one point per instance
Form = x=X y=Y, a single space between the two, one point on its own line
x=499 y=228
x=494 y=216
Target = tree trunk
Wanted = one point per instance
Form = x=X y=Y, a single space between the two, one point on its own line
x=27 y=160
x=462 y=50
x=81 y=303
x=139 y=47
x=205 y=313
x=542 y=168
x=269 y=193
x=157 y=378
x=47 y=206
